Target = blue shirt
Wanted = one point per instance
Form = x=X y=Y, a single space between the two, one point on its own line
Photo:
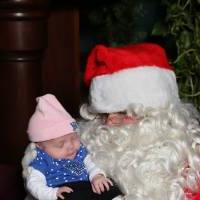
x=61 y=171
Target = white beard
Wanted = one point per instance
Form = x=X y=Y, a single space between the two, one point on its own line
x=148 y=160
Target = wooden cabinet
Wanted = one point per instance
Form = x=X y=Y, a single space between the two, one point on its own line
x=39 y=53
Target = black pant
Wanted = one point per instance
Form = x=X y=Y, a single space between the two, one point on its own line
x=83 y=191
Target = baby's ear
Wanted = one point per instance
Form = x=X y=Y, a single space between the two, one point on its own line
x=29 y=154
x=37 y=145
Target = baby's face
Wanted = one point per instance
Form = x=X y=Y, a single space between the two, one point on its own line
x=64 y=147
x=117 y=119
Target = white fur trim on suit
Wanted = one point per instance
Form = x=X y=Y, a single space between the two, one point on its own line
x=150 y=86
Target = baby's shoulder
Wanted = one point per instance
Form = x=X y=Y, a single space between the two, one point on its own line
x=41 y=161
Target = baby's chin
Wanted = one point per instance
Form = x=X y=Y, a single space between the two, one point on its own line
x=69 y=157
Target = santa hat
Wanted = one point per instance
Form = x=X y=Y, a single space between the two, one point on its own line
x=133 y=74
x=50 y=120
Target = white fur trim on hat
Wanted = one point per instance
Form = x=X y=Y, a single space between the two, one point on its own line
x=149 y=86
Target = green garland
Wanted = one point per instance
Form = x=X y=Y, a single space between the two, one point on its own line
x=183 y=22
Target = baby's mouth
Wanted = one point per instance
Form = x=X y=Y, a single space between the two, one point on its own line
x=71 y=156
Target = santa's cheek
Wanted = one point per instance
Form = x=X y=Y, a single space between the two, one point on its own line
x=130 y=120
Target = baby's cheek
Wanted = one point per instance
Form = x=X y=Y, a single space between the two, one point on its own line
x=78 y=143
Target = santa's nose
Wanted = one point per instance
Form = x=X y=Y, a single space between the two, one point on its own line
x=114 y=119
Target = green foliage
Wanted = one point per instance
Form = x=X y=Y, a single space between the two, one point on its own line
x=183 y=22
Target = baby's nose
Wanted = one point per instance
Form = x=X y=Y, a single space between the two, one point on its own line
x=70 y=146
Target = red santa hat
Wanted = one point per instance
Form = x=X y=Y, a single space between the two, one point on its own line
x=133 y=74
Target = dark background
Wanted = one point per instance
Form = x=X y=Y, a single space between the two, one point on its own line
x=43 y=49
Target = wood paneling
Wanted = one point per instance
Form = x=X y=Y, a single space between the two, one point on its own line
x=61 y=63
x=23 y=28
x=39 y=53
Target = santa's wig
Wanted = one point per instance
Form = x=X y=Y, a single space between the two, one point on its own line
x=157 y=158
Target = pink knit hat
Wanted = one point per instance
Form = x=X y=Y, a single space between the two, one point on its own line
x=50 y=120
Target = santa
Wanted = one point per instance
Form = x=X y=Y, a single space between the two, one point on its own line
x=136 y=126
x=140 y=131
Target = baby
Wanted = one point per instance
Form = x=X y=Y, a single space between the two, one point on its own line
x=62 y=168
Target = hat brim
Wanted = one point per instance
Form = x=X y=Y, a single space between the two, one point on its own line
x=150 y=86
